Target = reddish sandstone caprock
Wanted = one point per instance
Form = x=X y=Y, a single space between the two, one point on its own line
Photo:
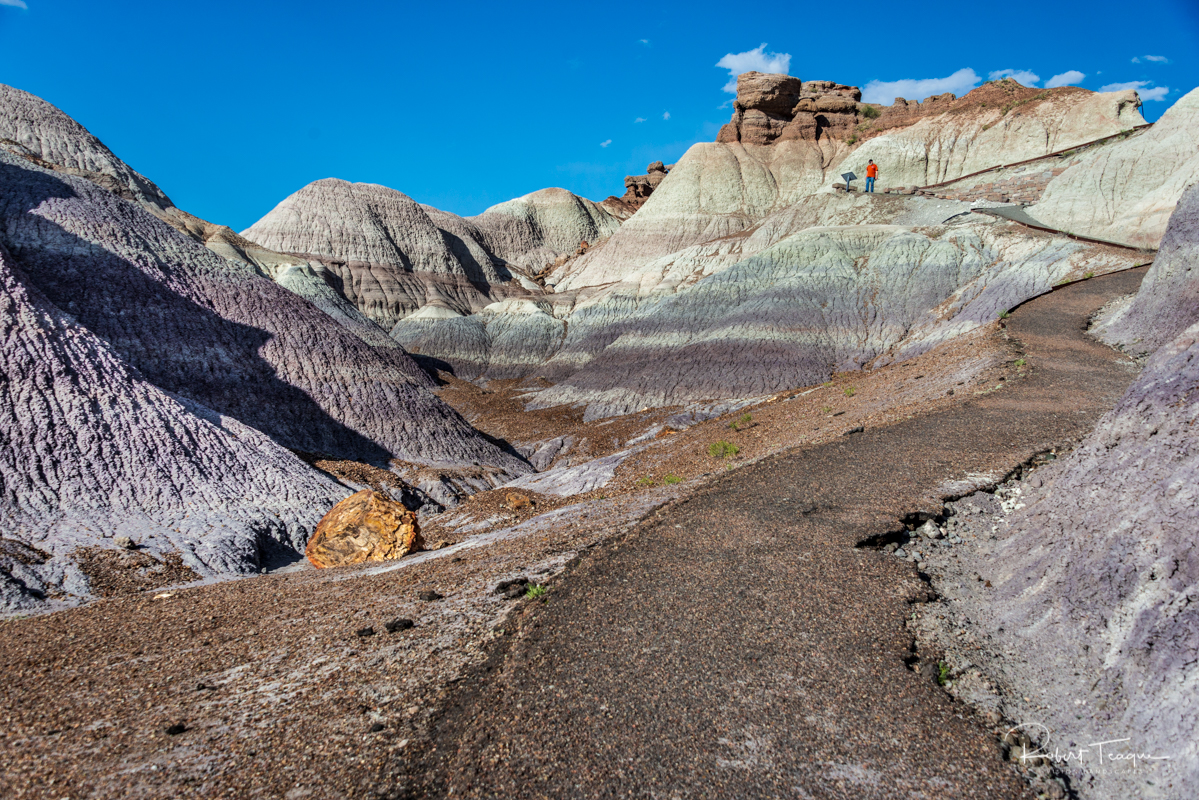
x=366 y=526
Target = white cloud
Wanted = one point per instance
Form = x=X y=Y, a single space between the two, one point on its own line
x=1144 y=89
x=639 y=119
x=885 y=92
x=605 y=143
x=756 y=60
x=665 y=115
x=1154 y=59
x=644 y=42
x=1070 y=77
x=1025 y=77
x=14 y=4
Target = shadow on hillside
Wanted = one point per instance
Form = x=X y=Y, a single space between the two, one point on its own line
x=143 y=311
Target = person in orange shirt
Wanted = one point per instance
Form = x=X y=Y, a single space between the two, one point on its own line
x=871 y=174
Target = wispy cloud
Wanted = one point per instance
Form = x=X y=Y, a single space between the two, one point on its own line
x=1145 y=89
x=665 y=115
x=14 y=3
x=1070 y=77
x=639 y=119
x=605 y=143
x=1154 y=59
x=758 y=60
x=1022 y=76
x=885 y=92
x=644 y=42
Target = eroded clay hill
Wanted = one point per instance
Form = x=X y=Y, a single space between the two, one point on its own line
x=152 y=386
x=392 y=256
x=753 y=273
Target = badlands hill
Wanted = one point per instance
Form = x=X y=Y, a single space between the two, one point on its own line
x=167 y=381
x=172 y=378
x=755 y=272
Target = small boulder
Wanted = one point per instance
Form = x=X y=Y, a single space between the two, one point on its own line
x=397 y=625
x=124 y=542
x=366 y=526
x=931 y=530
x=517 y=502
x=430 y=596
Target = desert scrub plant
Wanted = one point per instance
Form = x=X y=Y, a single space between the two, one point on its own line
x=536 y=592
x=852 y=139
x=645 y=481
x=723 y=449
x=942 y=673
x=741 y=421
x=671 y=480
x=1004 y=314
x=870 y=112
x=1020 y=362
x=1089 y=275
x=827 y=409
x=850 y=391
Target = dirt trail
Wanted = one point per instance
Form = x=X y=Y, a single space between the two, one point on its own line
x=739 y=645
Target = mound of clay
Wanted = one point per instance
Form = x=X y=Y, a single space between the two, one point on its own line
x=391 y=256
x=535 y=229
x=1101 y=574
x=91 y=451
x=221 y=334
x=366 y=526
x=1169 y=297
x=1127 y=191
x=818 y=301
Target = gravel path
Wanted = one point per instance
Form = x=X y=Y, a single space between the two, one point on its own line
x=737 y=644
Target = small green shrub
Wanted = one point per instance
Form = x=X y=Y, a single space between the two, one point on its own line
x=741 y=421
x=850 y=391
x=671 y=480
x=827 y=409
x=942 y=673
x=870 y=112
x=1089 y=275
x=646 y=481
x=1004 y=314
x=723 y=449
x=536 y=592
x=1020 y=362
x=852 y=139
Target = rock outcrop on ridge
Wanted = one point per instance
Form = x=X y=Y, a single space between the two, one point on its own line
x=1126 y=191
x=638 y=188
x=391 y=256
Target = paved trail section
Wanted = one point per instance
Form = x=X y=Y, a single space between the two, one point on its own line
x=738 y=644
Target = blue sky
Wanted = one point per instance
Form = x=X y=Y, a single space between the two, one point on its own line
x=231 y=106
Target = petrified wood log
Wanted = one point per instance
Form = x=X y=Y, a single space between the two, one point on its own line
x=366 y=526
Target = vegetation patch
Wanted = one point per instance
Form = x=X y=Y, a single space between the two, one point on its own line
x=723 y=449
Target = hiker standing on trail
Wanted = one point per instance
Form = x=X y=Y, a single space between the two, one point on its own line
x=871 y=174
